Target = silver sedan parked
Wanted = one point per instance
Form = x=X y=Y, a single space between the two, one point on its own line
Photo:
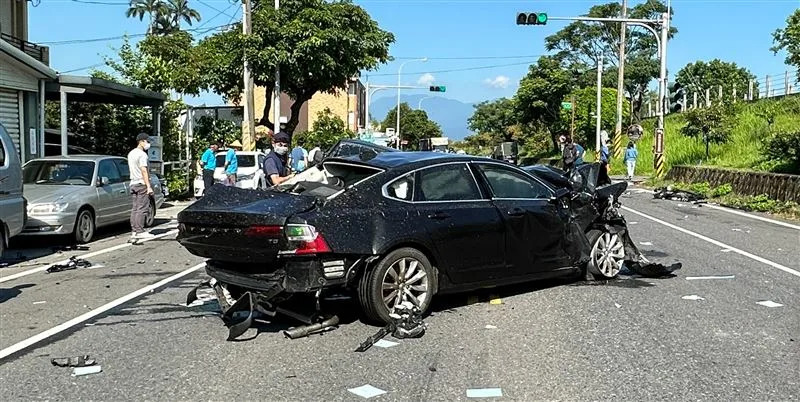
x=77 y=194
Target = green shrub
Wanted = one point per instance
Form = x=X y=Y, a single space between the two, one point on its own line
x=724 y=189
x=784 y=147
x=177 y=183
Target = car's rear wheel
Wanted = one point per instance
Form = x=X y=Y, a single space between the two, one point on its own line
x=403 y=275
x=150 y=217
x=2 y=241
x=607 y=255
x=84 y=226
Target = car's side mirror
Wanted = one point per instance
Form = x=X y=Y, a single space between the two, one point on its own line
x=103 y=181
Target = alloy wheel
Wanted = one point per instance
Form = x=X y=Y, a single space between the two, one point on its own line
x=608 y=255
x=405 y=280
x=85 y=227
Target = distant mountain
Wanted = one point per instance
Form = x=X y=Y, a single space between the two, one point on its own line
x=451 y=114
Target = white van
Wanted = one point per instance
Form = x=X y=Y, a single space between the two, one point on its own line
x=12 y=204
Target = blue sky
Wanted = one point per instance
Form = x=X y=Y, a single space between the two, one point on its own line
x=453 y=34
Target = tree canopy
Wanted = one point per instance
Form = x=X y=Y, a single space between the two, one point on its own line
x=697 y=76
x=326 y=131
x=495 y=118
x=788 y=39
x=414 y=125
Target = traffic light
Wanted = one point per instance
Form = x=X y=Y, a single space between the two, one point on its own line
x=676 y=92
x=532 y=19
x=438 y=88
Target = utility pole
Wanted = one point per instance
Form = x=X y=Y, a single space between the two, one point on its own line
x=276 y=93
x=249 y=134
x=598 y=110
x=620 y=81
x=399 y=73
x=572 y=125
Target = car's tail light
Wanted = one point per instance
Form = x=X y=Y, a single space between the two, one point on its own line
x=304 y=239
x=264 y=231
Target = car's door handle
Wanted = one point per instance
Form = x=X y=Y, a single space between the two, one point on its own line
x=516 y=212
x=438 y=216
x=121 y=191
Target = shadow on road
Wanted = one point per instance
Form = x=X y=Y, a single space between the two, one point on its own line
x=7 y=294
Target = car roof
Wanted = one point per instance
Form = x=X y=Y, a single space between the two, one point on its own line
x=240 y=152
x=81 y=157
x=388 y=160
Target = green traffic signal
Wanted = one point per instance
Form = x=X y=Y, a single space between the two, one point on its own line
x=532 y=19
x=437 y=88
x=541 y=18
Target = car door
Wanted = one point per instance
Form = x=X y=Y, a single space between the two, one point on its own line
x=535 y=232
x=111 y=196
x=464 y=226
x=125 y=174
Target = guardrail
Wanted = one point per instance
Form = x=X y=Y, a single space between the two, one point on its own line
x=784 y=187
x=41 y=53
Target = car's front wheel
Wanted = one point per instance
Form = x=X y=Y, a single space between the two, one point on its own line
x=607 y=255
x=404 y=275
x=84 y=226
x=150 y=217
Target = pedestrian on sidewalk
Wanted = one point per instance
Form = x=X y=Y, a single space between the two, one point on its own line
x=312 y=156
x=232 y=163
x=299 y=159
x=630 y=159
x=141 y=189
x=570 y=154
x=209 y=163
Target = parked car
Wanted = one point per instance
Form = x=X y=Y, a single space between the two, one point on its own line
x=249 y=176
x=404 y=226
x=76 y=194
x=12 y=203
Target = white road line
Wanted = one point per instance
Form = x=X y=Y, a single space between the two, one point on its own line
x=718 y=243
x=88 y=255
x=91 y=314
x=751 y=216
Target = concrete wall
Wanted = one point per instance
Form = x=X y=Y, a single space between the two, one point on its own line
x=784 y=187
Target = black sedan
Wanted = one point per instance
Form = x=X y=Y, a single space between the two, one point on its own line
x=404 y=226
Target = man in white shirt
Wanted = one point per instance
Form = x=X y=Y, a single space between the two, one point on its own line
x=141 y=190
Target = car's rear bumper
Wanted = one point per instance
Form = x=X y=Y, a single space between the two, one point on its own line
x=296 y=275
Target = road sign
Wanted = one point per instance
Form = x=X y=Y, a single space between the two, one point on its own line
x=566 y=105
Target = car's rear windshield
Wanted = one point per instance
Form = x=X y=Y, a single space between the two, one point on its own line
x=349 y=174
x=76 y=173
x=245 y=161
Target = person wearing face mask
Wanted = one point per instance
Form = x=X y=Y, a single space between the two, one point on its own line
x=276 y=161
x=141 y=190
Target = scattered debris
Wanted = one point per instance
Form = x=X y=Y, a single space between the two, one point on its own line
x=633 y=223
x=769 y=303
x=646 y=243
x=407 y=323
x=490 y=326
x=726 y=250
x=79 y=371
x=696 y=278
x=668 y=193
x=383 y=343
x=736 y=230
x=432 y=369
x=692 y=297
x=367 y=391
x=73 y=263
x=485 y=393
x=76 y=361
x=40 y=302
x=306 y=330
x=140 y=262
x=73 y=247
x=617 y=305
x=495 y=300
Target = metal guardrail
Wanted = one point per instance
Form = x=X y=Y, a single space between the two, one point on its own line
x=41 y=53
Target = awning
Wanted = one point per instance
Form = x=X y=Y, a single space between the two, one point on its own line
x=97 y=90
x=42 y=70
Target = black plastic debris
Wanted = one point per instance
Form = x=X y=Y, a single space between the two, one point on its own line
x=76 y=361
x=406 y=323
x=668 y=193
x=73 y=263
x=73 y=247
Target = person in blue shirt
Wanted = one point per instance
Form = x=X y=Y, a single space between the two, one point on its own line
x=630 y=159
x=604 y=155
x=299 y=159
x=581 y=151
x=209 y=162
x=276 y=161
x=232 y=163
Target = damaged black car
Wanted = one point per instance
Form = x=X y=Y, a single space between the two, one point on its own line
x=399 y=227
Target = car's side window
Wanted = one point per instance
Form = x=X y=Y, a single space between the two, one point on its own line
x=452 y=182
x=124 y=170
x=506 y=183
x=107 y=168
x=402 y=188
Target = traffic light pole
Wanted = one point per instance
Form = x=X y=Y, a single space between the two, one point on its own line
x=371 y=89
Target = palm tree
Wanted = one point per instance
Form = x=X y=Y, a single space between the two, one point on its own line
x=154 y=8
x=179 y=9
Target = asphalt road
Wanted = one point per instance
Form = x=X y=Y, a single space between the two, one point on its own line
x=628 y=339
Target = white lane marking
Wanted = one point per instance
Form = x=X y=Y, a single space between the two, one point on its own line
x=484 y=393
x=692 y=297
x=751 y=216
x=718 y=243
x=769 y=303
x=699 y=278
x=91 y=314
x=85 y=256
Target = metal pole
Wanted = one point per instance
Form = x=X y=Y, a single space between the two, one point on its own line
x=685 y=104
x=766 y=93
x=367 y=124
x=419 y=104
x=786 y=83
x=750 y=90
x=276 y=93
x=694 y=105
x=662 y=88
x=708 y=97
x=620 y=82
x=719 y=93
x=572 y=125
x=598 y=110
x=63 y=127
x=397 y=111
x=249 y=134
x=734 y=95
x=40 y=148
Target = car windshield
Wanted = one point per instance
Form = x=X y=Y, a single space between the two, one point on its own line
x=58 y=172
x=245 y=161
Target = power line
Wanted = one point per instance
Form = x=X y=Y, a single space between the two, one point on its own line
x=110 y=38
x=532 y=56
x=454 y=70
x=219 y=12
x=102 y=3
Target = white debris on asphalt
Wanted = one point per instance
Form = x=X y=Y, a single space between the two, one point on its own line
x=367 y=391
x=692 y=297
x=633 y=223
x=95 y=266
x=40 y=302
x=696 y=278
x=383 y=343
x=484 y=393
x=769 y=303
x=617 y=305
x=646 y=243
x=736 y=230
x=488 y=326
x=79 y=371
x=726 y=250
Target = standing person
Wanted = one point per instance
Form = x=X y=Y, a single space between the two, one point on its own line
x=141 y=189
x=275 y=164
x=570 y=154
x=299 y=158
x=604 y=155
x=630 y=159
x=232 y=163
x=312 y=156
x=581 y=152
x=209 y=163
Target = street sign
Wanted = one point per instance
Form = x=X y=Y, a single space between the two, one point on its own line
x=566 y=105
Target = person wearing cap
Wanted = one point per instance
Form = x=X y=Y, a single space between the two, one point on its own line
x=141 y=189
x=209 y=163
x=232 y=163
x=275 y=164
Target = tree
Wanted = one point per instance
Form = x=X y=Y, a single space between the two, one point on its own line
x=210 y=130
x=317 y=45
x=326 y=131
x=697 y=76
x=414 y=125
x=712 y=124
x=495 y=118
x=541 y=91
x=153 y=8
x=179 y=10
x=788 y=39
x=585 y=108
x=581 y=44
x=165 y=16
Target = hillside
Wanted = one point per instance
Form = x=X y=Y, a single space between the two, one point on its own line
x=451 y=114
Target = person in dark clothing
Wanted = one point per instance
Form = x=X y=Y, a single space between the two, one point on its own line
x=275 y=164
x=569 y=155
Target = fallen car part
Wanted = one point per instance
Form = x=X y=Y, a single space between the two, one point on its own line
x=76 y=361
x=306 y=330
x=668 y=193
x=79 y=371
x=406 y=323
x=73 y=263
x=388 y=329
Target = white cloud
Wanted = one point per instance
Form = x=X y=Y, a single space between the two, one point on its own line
x=501 y=81
x=426 y=79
